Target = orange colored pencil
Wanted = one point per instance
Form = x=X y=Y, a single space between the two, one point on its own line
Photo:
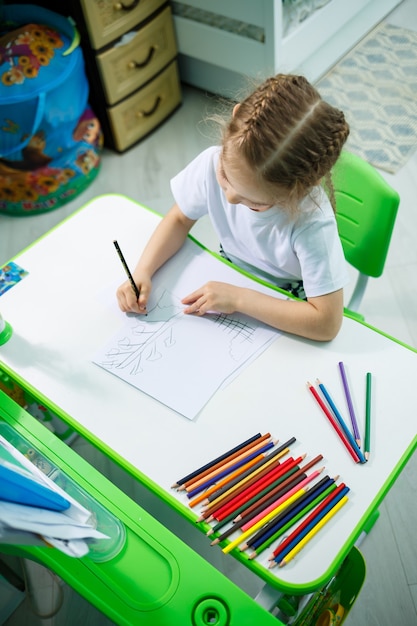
x=225 y=466
x=223 y=461
x=249 y=480
x=222 y=483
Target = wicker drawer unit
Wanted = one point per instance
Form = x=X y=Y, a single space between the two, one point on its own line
x=131 y=57
x=108 y=20
x=127 y=67
x=133 y=118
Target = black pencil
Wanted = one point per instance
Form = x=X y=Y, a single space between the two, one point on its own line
x=127 y=270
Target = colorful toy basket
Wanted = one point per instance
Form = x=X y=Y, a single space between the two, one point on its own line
x=50 y=140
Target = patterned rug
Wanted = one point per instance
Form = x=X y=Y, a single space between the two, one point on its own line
x=376 y=86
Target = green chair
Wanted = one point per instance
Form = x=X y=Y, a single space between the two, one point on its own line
x=366 y=208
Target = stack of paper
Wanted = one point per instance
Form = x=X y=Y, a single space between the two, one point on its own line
x=36 y=511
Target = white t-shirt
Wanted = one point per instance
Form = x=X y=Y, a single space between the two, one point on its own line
x=268 y=243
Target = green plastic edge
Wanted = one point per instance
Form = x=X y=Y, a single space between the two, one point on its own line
x=173 y=502
x=119 y=503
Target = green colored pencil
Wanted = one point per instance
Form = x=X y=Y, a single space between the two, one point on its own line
x=367 y=446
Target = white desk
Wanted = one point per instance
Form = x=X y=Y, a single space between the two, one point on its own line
x=65 y=309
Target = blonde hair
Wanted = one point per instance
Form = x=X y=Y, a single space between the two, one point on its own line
x=288 y=135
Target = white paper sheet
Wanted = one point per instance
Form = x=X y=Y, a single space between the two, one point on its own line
x=182 y=360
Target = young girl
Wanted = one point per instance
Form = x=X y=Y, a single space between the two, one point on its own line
x=262 y=190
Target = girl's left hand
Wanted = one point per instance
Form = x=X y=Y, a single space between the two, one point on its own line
x=213 y=296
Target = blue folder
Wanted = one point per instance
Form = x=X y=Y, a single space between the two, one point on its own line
x=14 y=487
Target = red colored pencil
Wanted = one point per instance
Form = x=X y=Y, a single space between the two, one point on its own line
x=299 y=474
x=245 y=496
x=334 y=423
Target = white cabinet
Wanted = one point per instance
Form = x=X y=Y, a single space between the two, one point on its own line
x=223 y=41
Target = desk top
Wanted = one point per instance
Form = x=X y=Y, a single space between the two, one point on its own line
x=65 y=309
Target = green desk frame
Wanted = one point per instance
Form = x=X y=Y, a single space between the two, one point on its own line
x=155 y=578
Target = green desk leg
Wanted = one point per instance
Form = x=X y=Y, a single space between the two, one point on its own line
x=154 y=579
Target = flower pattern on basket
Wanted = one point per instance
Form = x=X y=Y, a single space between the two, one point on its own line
x=25 y=51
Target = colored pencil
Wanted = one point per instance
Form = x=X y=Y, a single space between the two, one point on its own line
x=253 y=490
x=237 y=475
x=334 y=423
x=211 y=464
x=127 y=270
x=265 y=504
x=227 y=494
x=229 y=467
x=311 y=520
x=245 y=519
x=281 y=507
x=220 y=464
x=275 y=486
x=222 y=501
x=282 y=498
x=341 y=422
x=301 y=472
x=251 y=485
x=350 y=403
x=313 y=531
x=287 y=521
x=268 y=459
x=368 y=414
x=275 y=523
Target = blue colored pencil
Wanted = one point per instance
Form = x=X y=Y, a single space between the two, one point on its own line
x=292 y=514
x=280 y=555
x=341 y=422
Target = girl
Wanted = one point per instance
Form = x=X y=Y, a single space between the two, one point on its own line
x=262 y=190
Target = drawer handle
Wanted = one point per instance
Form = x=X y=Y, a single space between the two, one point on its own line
x=129 y=7
x=151 y=111
x=136 y=65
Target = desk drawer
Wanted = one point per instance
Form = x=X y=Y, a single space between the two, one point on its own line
x=108 y=19
x=135 y=117
x=125 y=68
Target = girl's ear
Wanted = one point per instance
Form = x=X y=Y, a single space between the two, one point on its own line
x=235 y=108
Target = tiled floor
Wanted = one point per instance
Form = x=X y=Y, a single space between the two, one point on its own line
x=389 y=595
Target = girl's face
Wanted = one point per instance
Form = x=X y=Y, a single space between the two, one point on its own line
x=241 y=186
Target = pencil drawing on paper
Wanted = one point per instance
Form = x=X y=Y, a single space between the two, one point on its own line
x=181 y=360
x=147 y=339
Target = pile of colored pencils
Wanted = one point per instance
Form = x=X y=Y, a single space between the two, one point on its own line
x=255 y=493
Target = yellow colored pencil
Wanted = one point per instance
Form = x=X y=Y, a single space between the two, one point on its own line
x=264 y=520
x=313 y=531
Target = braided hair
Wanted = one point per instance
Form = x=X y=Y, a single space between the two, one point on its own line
x=288 y=136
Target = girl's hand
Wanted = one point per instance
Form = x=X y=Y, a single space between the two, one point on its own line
x=127 y=298
x=213 y=296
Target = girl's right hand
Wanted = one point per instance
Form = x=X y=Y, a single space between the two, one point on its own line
x=126 y=297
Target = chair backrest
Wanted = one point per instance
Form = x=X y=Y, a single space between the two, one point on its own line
x=366 y=208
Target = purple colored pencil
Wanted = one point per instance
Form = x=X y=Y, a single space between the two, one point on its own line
x=350 y=403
